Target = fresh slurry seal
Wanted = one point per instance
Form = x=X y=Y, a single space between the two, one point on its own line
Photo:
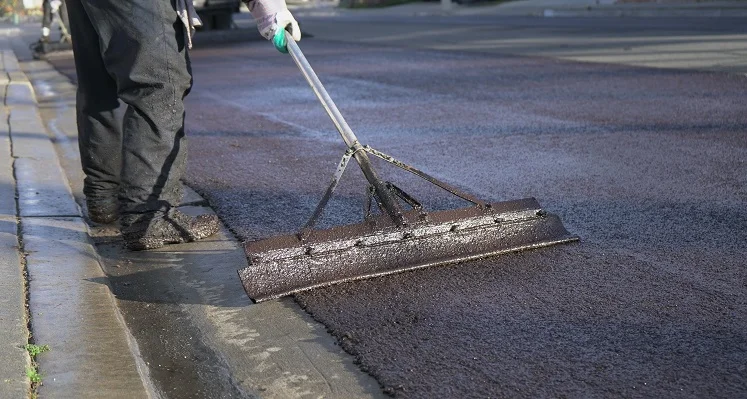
x=643 y=164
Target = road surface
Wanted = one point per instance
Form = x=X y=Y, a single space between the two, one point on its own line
x=646 y=165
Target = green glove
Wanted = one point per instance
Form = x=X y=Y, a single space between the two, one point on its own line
x=280 y=41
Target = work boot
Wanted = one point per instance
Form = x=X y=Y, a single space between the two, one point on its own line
x=174 y=227
x=103 y=211
x=38 y=49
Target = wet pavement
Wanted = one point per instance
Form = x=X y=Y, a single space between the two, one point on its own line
x=646 y=165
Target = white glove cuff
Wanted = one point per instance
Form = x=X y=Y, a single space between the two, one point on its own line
x=266 y=26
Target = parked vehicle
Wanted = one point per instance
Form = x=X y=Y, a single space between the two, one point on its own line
x=216 y=14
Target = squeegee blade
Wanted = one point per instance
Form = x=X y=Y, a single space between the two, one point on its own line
x=283 y=265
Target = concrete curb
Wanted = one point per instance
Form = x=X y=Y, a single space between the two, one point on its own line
x=70 y=304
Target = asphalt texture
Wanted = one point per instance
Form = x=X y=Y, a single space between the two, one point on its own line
x=647 y=166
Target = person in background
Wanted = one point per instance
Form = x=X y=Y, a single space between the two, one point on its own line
x=137 y=52
x=49 y=9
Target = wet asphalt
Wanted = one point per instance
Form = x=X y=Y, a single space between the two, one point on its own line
x=647 y=166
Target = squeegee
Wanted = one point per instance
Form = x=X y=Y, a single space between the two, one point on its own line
x=402 y=236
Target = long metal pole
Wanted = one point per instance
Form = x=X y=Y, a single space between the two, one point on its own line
x=388 y=201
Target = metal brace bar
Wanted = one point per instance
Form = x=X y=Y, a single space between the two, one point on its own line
x=370 y=194
x=307 y=228
x=415 y=204
x=424 y=176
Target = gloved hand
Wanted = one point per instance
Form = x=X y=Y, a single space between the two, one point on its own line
x=55 y=5
x=273 y=16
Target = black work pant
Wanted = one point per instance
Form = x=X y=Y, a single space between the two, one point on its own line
x=133 y=51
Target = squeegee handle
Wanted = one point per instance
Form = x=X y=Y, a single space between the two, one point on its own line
x=316 y=85
x=387 y=201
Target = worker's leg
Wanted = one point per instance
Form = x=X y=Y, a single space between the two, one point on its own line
x=46 y=20
x=99 y=120
x=143 y=48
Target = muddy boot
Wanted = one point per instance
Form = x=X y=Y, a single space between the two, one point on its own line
x=105 y=211
x=174 y=227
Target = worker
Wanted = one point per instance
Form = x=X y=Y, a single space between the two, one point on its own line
x=49 y=9
x=136 y=51
x=44 y=45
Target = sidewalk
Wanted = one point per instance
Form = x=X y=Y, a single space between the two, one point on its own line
x=13 y=333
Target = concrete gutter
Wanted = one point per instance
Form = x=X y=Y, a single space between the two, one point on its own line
x=91 y=354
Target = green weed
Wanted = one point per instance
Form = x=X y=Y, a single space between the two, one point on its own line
x=33 y=375
x=31 y=371
x=35 y=350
